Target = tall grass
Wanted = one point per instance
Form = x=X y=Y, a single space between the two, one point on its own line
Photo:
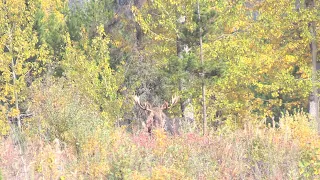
x=253 y=152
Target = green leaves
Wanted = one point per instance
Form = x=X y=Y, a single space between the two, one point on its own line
x=86 y=63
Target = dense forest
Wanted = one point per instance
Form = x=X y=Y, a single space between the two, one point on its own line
x=159 y=89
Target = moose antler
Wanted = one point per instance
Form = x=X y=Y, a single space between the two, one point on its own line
x=174 y=100
x=156 y=117
x=145 y=106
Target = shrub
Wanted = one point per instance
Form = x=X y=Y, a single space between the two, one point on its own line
x=253 y=152
x=62 y=112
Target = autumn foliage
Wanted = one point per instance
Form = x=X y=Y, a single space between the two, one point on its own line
x=71 y=70
x=291 y=151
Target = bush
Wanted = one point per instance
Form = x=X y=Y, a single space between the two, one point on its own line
x=254 y=152
x=62 y=112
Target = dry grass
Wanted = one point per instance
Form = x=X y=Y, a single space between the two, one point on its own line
x=290 y=152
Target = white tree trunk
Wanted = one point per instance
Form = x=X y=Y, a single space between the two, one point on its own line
x=313 y=109
x=203 y=86
x=314 y=99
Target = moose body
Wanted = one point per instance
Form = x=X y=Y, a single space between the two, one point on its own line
x=157 y=119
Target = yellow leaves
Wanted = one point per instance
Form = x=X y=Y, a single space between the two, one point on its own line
x=4 y=125
x=161 y=141
x=274 y=94
x=138 y=17
x=100 y=30
x=162 y=26
x=137 y=176
x=53 y=7
x=229 y=29
x=304 y=75
x=300 y=128
x=97 y=169
x=163 y=173
x=15 y=9
x=239 y=24
x=14 y=113
x=48 y=162
x=20 y=40
x=290 y=59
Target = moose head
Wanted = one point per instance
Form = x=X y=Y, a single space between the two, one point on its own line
x=156 y=117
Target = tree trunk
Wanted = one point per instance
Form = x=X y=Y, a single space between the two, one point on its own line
x=314 y=99
x=15 y=93
x=203 y=87
x=14 y=79
x=179 y=54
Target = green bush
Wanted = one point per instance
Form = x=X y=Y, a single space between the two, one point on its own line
x=62 y=112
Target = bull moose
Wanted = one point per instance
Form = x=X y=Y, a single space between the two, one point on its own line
x=157 y=119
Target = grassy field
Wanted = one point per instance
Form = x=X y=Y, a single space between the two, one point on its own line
x=252 y=152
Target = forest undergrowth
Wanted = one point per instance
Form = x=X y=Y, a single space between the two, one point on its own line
x=255 y=151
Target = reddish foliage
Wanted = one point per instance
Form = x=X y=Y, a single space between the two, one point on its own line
x=192 y=138
x=144 y=140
